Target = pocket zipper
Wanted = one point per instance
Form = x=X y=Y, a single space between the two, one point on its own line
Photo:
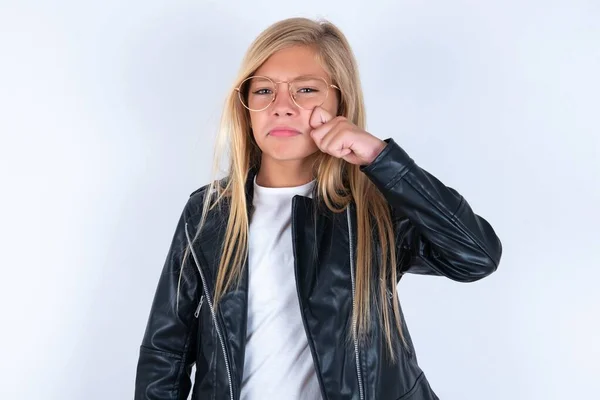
x=199 y=306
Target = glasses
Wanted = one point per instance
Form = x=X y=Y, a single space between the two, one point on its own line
x=257 y=93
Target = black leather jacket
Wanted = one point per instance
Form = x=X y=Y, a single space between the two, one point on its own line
x=438 y=234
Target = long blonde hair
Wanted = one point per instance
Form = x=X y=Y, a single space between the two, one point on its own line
x=338 y=182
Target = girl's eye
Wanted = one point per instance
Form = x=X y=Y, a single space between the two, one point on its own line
x=307 y=90
x=262 y=91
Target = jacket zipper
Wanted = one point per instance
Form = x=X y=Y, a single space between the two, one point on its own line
x=212 y=311
x=351 y=240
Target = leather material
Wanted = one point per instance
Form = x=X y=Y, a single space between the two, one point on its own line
x=437 y=234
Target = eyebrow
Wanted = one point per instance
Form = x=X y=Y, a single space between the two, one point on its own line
x=296 y=77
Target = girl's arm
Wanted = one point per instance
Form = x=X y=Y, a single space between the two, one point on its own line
x=167 y=352
x=437 y=231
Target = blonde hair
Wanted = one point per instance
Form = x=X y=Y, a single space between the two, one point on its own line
x=338 y=182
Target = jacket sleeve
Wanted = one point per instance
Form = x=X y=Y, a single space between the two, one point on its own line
x=437 y=231
x=167 y=351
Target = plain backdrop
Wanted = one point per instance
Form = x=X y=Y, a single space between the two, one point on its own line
x=108 y=113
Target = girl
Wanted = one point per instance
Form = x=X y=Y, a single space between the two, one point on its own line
x=280 y=282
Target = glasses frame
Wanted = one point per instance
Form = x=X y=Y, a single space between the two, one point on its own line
x=276 y=86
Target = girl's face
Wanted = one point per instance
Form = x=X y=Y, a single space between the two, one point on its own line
x=286 y=65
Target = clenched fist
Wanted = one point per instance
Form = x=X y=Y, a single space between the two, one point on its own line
x=342 y=139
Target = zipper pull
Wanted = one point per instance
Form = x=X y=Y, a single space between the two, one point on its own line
x=199 y=306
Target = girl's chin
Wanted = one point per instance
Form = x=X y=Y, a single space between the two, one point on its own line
x=291 y=154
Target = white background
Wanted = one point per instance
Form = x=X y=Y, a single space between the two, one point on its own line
x=108 y=112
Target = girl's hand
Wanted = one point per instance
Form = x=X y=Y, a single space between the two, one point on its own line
x=342 y=139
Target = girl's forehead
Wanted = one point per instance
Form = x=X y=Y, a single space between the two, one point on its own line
x=285 y=74
x=290 y=63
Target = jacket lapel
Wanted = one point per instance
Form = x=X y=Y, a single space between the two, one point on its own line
x=233 y=307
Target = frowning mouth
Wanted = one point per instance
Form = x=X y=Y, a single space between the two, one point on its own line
x=284 y=133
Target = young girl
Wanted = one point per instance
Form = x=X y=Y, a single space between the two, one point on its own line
x=280 y=282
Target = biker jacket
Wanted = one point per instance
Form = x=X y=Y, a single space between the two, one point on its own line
x=437 y=233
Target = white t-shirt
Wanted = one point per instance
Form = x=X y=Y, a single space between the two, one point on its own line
x=278 y=363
